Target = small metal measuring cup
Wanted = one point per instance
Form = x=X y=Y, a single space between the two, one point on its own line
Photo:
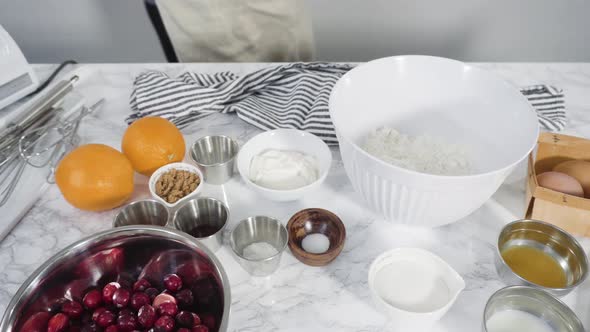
x=215 y=156
x=532 y=301
x=259 y=229
x=203 y=218
x=145 y=212
x=549 y=238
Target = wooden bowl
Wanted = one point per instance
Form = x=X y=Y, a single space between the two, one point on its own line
x=311 y=221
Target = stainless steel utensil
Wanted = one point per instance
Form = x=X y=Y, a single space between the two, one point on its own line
x=75 y=269
x=48 y=144
x=30 y=132
x=215 y=155
x=259 y=229
x=552 y=240
x=203 y=218
x=145 y=212
x=535 y=302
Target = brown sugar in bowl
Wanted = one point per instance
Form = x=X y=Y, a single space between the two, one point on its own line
x=311 y=221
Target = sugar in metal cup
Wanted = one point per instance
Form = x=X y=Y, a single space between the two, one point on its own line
x=259 y=231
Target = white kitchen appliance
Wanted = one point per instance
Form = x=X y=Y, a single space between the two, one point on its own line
x=17 y=78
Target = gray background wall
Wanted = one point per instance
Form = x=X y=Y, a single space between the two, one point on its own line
x=346 y=30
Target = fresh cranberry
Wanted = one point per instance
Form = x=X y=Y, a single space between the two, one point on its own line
x=92 y=299
x=141 y=285
x=185 y=318
x=183 y=329
x=72 y=308
x=126 y=323
x=200 y=328
x=97 y=313
x=146 y=316
x=163 y=298
x=105 y=319
x=112 y=328
x=58 y=323
x=37 y=322
x=152 y=293
x=168 y=308
x=108 y=291
x=185 y=298
x=74 y=328
x=138 y=300
x=173 y=282
x=121 y=298
x=166 y=323
x=196 y=319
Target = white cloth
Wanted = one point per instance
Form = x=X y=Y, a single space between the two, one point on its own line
x=238 y=30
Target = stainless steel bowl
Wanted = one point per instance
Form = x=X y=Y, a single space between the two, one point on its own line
x=534 y=301
x=124 y=252
x=215 y=156
x=203 y=218
x=553 y=241
x=259 y=229
x=145 y=212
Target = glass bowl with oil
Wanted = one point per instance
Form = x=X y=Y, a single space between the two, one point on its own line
x=538 y=254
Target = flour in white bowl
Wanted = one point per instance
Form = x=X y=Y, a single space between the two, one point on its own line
x=423 y=153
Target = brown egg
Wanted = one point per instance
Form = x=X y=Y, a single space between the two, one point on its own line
x=560 y=182
x=579 y=170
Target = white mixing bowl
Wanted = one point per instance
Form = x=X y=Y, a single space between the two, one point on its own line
x=443 y=98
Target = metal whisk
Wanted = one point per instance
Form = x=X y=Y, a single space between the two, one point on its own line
x=38 y=138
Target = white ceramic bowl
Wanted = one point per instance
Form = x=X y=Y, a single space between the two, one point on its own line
x=443 y=98
x=166 y=168
x=285 y=139
x=424 y=285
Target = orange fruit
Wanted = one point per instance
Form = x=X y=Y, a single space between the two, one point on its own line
x=95 y=177
x=152 y=142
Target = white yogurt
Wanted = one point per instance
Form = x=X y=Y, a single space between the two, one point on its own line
x=316 y=243
x=516 y=321
x=283 y=169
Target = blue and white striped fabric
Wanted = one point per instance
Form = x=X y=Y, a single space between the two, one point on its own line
x=286 y=96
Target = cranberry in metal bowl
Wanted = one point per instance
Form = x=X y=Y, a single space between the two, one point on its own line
x=111 y=281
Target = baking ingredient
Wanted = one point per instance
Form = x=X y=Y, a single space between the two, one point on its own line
x=579 y=170
x=283 y=169
x=173 y=282
x=316 y=243
x=151 y=143
x=259 y=250
x=516 y=321
x=203 y=230
x=560 y=182
x=423 y=153
x=535 y=265
x=411 y=286
x=164 y=313
x=95 y=177
x=176 y=184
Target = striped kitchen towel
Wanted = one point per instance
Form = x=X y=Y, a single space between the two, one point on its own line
x=294 y=95
x=549 y=103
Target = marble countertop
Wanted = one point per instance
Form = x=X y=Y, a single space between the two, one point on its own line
x=298 y=297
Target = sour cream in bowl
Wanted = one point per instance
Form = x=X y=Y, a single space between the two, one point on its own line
x=284 y=164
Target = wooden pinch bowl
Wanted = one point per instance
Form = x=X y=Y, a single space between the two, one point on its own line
x=311 y=221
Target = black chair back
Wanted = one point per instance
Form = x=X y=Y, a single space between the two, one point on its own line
x=156 y=18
